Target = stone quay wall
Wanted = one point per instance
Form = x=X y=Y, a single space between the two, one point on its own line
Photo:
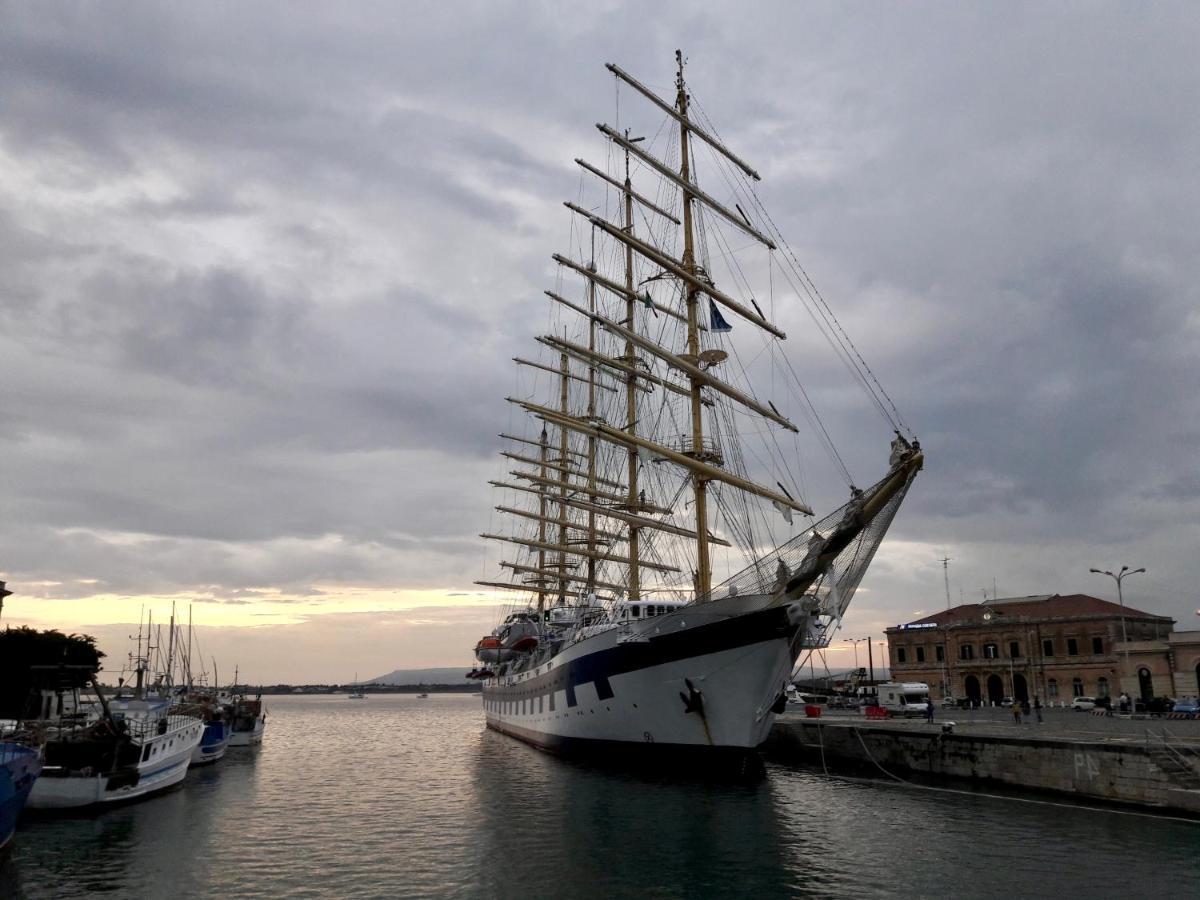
x=1128 y=772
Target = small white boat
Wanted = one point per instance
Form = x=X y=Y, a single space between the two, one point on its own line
x=248 y=722
x=137 y=749
x=357 y=693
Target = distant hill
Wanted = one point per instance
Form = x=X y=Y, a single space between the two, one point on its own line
x=423 y=676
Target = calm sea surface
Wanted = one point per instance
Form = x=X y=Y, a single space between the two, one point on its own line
x=398 y=797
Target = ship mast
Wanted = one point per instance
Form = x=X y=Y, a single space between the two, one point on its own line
x=564 y=394
x=700 y=484
x=631 y=389
x=591 y=414
x=543 y=450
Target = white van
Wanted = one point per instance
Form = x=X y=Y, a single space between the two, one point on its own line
x=909 y=698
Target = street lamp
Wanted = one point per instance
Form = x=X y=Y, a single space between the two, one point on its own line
x=855 y=642
x=1125 y=571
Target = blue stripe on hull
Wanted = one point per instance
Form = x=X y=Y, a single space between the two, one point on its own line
x=598 y=667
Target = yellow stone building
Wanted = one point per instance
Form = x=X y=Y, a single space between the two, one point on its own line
x=1053 y=647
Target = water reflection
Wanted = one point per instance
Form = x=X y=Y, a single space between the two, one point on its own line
x=617 y=830
x=395 y=797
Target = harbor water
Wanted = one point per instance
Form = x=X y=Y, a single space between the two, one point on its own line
x=396 y=796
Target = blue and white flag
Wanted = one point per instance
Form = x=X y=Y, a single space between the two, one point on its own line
x=717 y=322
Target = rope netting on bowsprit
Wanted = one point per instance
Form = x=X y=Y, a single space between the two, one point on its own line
x=827 y=561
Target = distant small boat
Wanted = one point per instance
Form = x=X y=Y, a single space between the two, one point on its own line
x=357 y=693
x=422 y=696
x=19 y=768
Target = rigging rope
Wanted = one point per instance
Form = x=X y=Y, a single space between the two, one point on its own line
x=867 y=377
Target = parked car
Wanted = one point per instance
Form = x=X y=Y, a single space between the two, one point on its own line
x=1006 y=702
x=1083 y=703
x=1187 y=705
x=950 y=703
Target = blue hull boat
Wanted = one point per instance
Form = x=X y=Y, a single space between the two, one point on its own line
x=19 y=769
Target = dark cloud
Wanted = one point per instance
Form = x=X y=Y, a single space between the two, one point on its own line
x=265 y=268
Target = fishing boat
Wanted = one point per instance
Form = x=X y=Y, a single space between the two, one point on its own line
x=137 y=747
x=670 y=569
x=208 y=706
x=249 y=721
x=20 y=765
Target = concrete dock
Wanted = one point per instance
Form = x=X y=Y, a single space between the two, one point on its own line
x=1145 y=761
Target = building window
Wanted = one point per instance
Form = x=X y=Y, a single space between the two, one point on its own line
x=1076 y=687
x=940 y=652
x=920 y=654
x=900 y=654
x=1048 y=647
x=966 y=651
x=1052 y=687
x=1098 y=646
x=1102 y=687
x=990 y=651
x=1073 y=650
x=1014 y=649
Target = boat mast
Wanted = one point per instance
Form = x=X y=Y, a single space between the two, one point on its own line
x=543 y=450
x=631 y=388
x=700 y=484
x=189 y=650
x=171 y=649
x=564 y=396
x=591 y=414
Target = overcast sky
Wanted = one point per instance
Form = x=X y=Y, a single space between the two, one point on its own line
x=265 y=265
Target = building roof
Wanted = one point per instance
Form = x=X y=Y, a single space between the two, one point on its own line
x=1041 y=606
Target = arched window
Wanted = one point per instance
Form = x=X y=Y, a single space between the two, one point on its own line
x=1076 y=687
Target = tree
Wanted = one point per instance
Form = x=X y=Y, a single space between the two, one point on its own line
x=32 y=659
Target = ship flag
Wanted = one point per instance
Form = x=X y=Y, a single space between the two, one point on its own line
x=717 y=321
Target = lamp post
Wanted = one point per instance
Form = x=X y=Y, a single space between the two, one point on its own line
x=1125 y=571
x=855 y=642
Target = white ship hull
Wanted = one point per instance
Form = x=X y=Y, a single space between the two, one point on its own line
x=636 y=690
x=164 y=763
x=248 y=738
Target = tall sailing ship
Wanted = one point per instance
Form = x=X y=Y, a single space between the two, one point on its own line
x=653 y=477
